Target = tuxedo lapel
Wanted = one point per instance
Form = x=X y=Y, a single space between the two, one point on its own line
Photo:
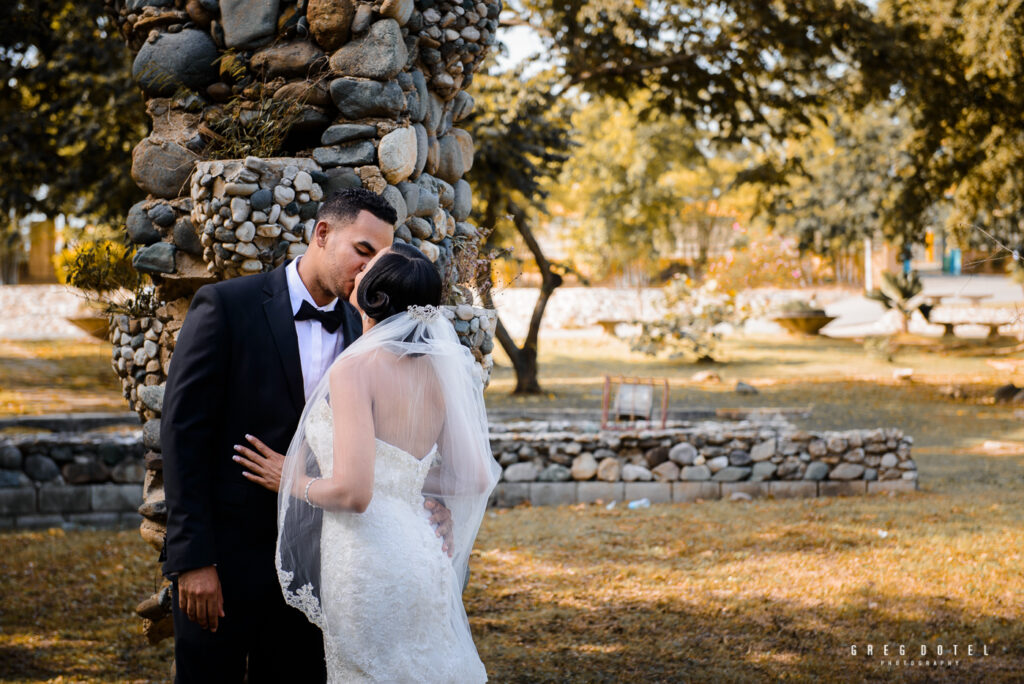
x=278 y=310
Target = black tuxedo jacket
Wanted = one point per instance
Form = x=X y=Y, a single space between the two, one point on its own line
x=235 y=371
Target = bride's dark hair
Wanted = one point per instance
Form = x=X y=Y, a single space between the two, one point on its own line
x=401 y=278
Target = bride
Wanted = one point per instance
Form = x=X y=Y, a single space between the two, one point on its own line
x=397 y=421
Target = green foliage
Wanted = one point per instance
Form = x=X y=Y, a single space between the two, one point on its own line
x=956 y=66
x=690 y=326
x=899 y=292
x=102 y=266
x=69 y=112
x=523 y=135
x=740 y=67
x=946 y=73
x=644 y=187
x=851 y=167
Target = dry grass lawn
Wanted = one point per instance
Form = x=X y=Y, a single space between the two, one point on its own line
x=57 y=376
x=714 y=591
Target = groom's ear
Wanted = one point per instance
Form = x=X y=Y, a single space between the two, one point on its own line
x=320 y=231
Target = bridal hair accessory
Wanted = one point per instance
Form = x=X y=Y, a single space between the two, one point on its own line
x=306 y=494
x=424 y=313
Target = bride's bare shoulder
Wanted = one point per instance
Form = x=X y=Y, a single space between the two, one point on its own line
x=365 y=366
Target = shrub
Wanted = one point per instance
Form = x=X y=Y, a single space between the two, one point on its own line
x=692 y=322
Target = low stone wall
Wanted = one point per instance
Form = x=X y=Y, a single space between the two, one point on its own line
x=507 y=494
x=701 y=452
x=54 y=480
x=98 y=478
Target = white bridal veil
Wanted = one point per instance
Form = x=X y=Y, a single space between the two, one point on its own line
x=410 y=380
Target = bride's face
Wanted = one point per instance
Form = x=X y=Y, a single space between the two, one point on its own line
x=352 y=299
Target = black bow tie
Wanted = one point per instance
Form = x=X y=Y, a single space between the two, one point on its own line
x=331 y=320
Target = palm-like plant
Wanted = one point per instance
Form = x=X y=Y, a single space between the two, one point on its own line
x=899 y=292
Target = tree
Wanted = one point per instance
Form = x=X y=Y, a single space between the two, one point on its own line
x=646 y=187
x=851 y=167
x=742 y=67
x=69 y=113
x=522 y=133
x=751 y=71
x=956 y=67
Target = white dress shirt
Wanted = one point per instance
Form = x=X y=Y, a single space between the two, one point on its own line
x=317 y=347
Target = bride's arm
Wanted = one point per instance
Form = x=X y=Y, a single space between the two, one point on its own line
x=350 y=486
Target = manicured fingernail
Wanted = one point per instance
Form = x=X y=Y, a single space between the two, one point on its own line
x=236 y=458
x=249 y=437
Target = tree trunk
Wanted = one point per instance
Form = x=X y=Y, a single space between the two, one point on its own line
x=10 y=253
x=524 y=359
x=705 y=238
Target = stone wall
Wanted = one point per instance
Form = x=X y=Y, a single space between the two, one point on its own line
x=109 y=479
x=700 y=452
x=54 y=480
x=554 y=463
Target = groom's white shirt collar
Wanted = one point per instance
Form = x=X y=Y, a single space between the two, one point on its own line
x=298 y=292
x=317 y=347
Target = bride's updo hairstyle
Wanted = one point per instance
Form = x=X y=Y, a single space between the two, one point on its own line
x=400 y=278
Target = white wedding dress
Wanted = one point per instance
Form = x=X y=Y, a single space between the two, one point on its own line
x=389 y=596
x=378 y=584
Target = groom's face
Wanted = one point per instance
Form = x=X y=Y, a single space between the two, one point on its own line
x=348 y=248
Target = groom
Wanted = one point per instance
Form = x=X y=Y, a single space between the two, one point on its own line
x=249 y=353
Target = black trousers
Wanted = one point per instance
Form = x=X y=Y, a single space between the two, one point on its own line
x=259 y=633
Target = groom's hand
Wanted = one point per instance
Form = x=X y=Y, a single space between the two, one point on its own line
x=200 y=597
x=441 y=518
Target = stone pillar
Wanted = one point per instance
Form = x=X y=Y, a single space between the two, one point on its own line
x=260 y=108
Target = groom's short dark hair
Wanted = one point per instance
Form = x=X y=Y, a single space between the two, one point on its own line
x=345 y=205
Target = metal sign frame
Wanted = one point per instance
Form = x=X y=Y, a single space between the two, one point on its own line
x=607 y=423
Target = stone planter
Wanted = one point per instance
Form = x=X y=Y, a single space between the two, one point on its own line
x=379 y=88
x=475 y=327
x=804 y=323
x=140 y=356
x=252 y=214
x=97 y=326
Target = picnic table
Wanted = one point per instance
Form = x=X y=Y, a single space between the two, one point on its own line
x=937 y=299
x=975 y=299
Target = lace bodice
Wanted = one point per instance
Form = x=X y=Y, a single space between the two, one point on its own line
x=397 y=473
